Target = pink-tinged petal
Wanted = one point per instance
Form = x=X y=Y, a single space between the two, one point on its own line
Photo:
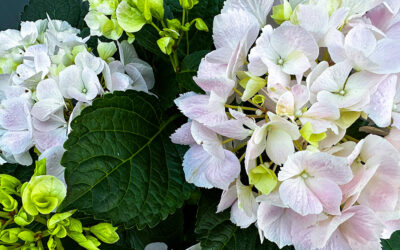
x=202 y=108
x=338 y=17
x=183 y=135
x=287 y=38
x=390 y=227
x=248 y=122
x=53 y=162
x=331 y=138
x=301 y=95
x=276 y=75
x=48 y=89
x=277 y=122
x=328 y=193
x=222 y=86
x=120 y=82
x=16 y=142
x=228 y=197
x=14 y=114
x=194 y=166
x=257 y=143
x=360 y=41
x=334 y=40
x=296 y=63
x=47 y=140
x=275 y=224
x=279 y=146
x=313 y=18
x=293 y=166
x=230 y=27
x=394 y=31
x=363 y=227
x=232 y=129
x=222 y=173
x=380 y=17
x=377 y=146
x=42 y=110
x=327 y=234
x=259 y=9
x=208 y=139
x=262 y=50
x=246 y=199
x=379 y=195
x=295 y=194
x=286 y=104
x=394 y=138
x=240 y=218
x=332 y=79
x=380 y=107
x=322 y=117
x=386 y=48
x=219 y=58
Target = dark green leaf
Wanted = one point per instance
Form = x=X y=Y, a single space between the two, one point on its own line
x=190 y=66
x=120 y=163
x=393 y=243
x=72 y=11
x=23 y=173
x=215 y=231
x=147 y=38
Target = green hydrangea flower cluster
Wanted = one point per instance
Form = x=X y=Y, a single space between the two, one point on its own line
x=111 y=18
x=28 y=219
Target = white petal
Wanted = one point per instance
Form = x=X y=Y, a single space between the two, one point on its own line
x=279 y=146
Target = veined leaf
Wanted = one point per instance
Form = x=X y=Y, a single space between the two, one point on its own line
x=120 y=163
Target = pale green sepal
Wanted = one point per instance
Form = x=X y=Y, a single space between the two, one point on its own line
x=106 y=50
x=151 y=8
x=188 y=4
x=83 y=241
x=7 y=201
x=40 y=167
x=263 y=178
x=9 y=183
x=166 y=44
x=22 y=218
x=307 y=133
x=282 y=12
x=10 y=235
x=201 y=25
x=347 y=118
x=129 y=17
x=105 y=232
x=251 y=84
x=27 y=235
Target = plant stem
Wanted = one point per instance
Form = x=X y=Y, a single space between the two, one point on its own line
x=239 y=107
x=41 y=220
x=155 y=26
x=228 y=140
x=239 y=147
x=187 y=37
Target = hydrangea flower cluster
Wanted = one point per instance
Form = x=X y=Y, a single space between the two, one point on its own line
x=48 y=76
x=279 y=100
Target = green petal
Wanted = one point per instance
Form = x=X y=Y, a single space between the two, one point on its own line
x=129 y=17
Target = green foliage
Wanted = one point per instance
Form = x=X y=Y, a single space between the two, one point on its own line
x=72 y=11
x=393 y=243
x=121 y=165
x=215 y=231
x=190 y=65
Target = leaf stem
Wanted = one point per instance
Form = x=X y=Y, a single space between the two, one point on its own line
x=155 y=26
x=240 y=107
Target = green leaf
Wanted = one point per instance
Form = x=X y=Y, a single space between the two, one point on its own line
x=72 y=11
x=393 y=243
x=190 y=65
x=147 y=38
x=215 y=231
x=120 y=163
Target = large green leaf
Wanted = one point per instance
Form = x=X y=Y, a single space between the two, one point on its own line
x=215 y=231
x=72 y=11
x=393 y=243
x=120 y=163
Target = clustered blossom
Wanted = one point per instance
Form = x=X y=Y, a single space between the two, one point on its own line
x=278 y=102
x=48 y=75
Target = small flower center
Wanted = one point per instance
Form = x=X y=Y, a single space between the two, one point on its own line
x=342 y=92
x=280 y=61
x=84 y=90
x=305 y=175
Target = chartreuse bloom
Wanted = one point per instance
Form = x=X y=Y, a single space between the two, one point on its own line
x=263 y=178
x=307 y=133
x=251 y=84
x=7 y=201
x=58 y=224
x=282 y=12
x=43 y=194
x=9 y=183
x=188 y=4
x=10 y=235
x=105 y=232
x=88 y=242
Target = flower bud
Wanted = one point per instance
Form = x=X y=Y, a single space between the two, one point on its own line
x=9 y=183
x=201 y=25
x=10 y=235
x=23 y=218
x=106 y=50
x=105 y=232
x=282 y=12
x=40 y=168
x=251 y=84
x=7 y=201
x=166 y=44
x=43 y=194
x=188 y=4
x=27 y=235
x=58 y=224
x=87 y=243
